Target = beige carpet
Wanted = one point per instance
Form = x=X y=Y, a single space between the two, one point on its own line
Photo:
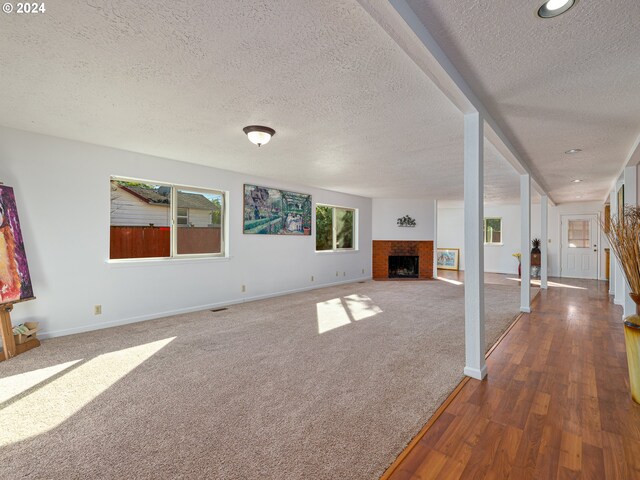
x=251 y=392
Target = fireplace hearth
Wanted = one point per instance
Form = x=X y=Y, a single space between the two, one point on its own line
x=404 y=266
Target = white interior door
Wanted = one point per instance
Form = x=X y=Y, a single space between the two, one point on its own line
x=579 y=249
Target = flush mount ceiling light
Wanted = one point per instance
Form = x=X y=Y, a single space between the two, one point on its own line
x=258 y=134
x=573 y=150
x=577 y=180
x=553 y=8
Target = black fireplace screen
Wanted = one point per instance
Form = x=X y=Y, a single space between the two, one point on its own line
x=403 y=266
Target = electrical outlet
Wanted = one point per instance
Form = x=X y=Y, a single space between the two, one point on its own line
x=97 y=309
x=312 y=278
x=244 y=288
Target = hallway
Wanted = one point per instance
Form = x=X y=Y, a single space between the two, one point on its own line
x=555 y=404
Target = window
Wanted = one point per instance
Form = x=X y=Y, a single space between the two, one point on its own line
x=493 y=230
x=579 y=234
x=183 y=216
x=144 y=214
x=335 y=228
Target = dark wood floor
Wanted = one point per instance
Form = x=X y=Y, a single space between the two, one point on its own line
x=555 y=404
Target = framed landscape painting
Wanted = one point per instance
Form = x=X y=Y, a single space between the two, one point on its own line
x=270 y=211
x=448 y=258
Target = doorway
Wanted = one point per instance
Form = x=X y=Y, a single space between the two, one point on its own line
x=579 y=248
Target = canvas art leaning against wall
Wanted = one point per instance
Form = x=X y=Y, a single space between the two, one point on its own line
x=15 y=281
x=276 y=212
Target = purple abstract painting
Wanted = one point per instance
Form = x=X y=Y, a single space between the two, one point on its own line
x=15 y=281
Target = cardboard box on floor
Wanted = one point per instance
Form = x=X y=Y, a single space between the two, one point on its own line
x=25 y=335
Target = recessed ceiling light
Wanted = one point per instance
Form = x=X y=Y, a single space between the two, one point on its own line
x=577 y=180
x=573 y=150
x=553 y=8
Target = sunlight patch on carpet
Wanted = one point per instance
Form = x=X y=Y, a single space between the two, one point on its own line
x=49 y=406
x=339 y=312
x=16 y=384
x=361 y=307
x=331 y=315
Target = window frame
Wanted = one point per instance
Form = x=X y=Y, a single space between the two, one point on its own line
x=334 y=230
x=173 y=222
x=484 y=231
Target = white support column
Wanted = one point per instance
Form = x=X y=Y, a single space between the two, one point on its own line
x=616 y=272
x=475 y=365
x=544 y=239
x=435 y=239
x=630 y=198
x=612 y=257
x=525 y=243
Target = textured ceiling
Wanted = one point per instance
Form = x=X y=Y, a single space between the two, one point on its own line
x=553 y=85
x=181 y=79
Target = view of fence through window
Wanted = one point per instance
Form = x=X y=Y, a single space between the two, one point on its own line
x=142 y=226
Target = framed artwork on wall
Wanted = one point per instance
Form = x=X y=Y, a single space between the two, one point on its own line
x=621 y=202
x=270 y=211
x=448 y=258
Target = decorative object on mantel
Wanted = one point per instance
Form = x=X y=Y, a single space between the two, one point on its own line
x=518 y=257
x=15 y=281
x=536 y=258
x=624 y=237
x=406 y=221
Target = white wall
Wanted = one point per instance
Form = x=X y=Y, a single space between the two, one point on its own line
x=387 y=211
x=62 y=192
x=450 y=231
x=498 y=258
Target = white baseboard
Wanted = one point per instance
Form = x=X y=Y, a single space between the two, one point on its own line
x=179 y=311
x=525 y=309
x=478 y=374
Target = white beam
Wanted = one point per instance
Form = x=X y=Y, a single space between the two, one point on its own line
x=402 y=24
x=525 y=242
x=616 y=272
x=544 y=239
x=633 y=159
x=612 y=257
x=475 y=365
x=435 y=239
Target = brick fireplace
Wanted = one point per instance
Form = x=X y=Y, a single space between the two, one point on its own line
x=383 y=249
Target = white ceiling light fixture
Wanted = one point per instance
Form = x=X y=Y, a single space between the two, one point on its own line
x=258 y=134
x=553 y=8
x=577 y=180
x=573 y=150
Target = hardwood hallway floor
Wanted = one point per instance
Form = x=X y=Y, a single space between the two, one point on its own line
x=555 y=404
